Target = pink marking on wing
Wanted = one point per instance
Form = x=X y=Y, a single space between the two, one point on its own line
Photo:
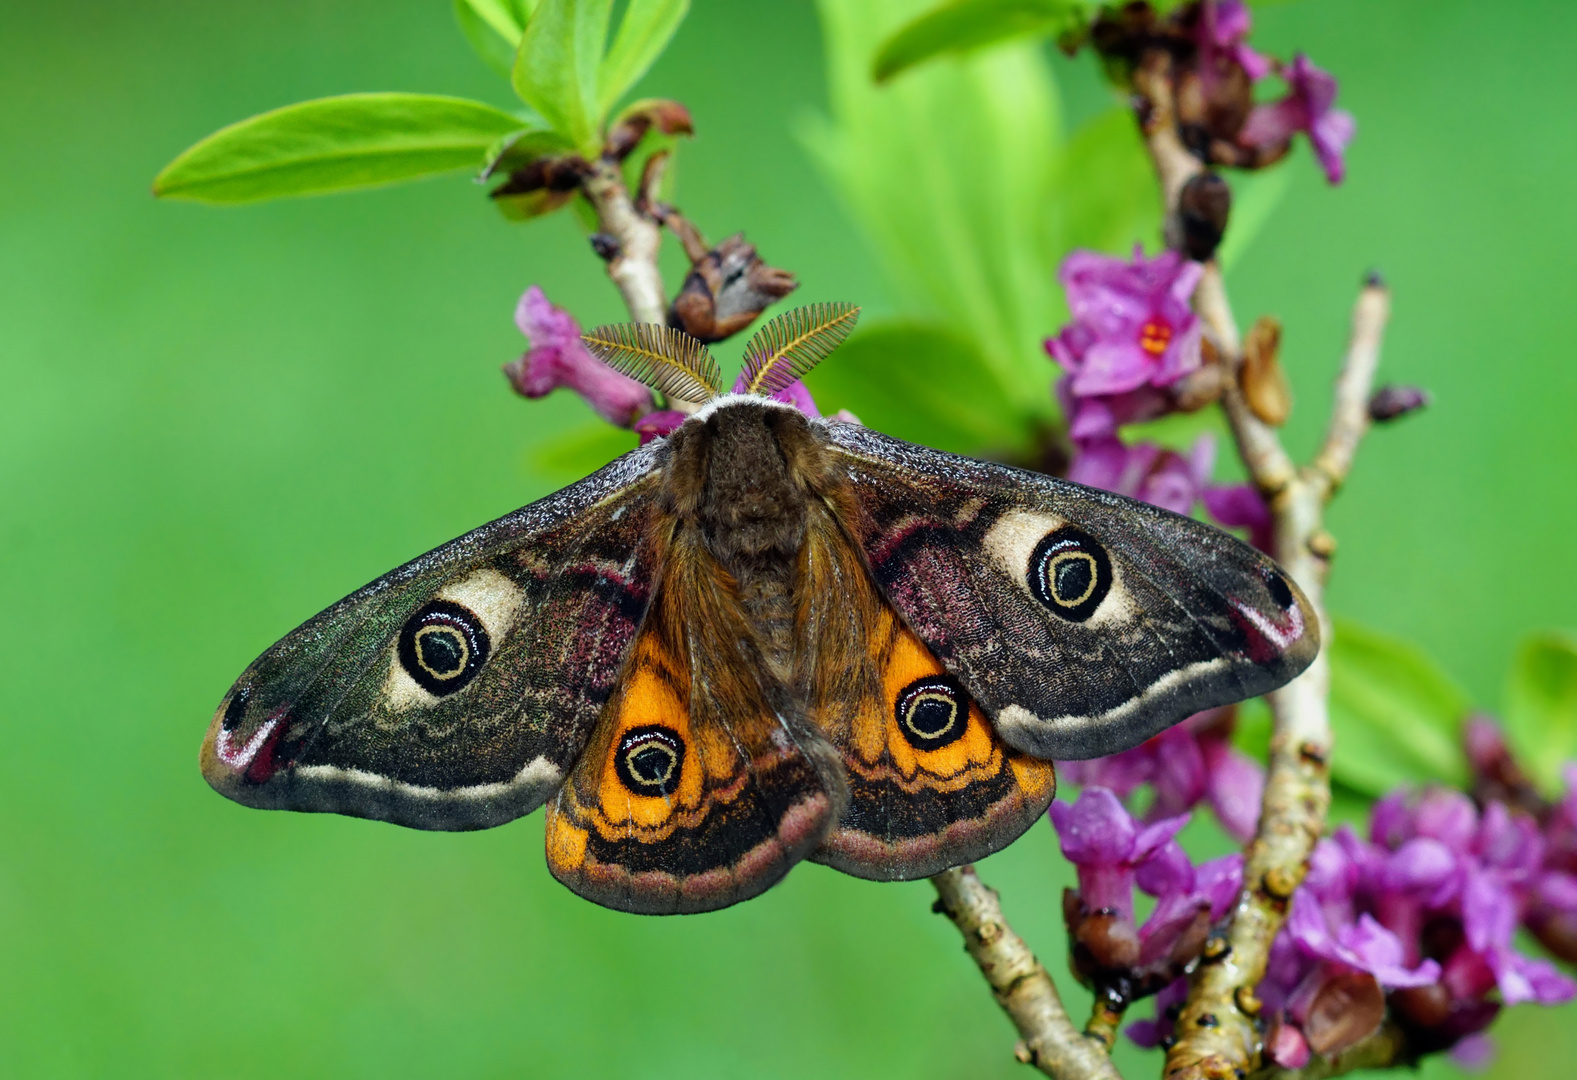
x=255 y=756
x=1266 y=638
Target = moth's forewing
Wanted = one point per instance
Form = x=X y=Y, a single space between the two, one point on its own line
x=1083 y=622
x=698 y=788
x=456 y=691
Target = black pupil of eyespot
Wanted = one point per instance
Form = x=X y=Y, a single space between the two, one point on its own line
x=932 y=712
x=931 y=716
x=649 y=760
x=1073 y=578
x=651 y=763
x=443 y=650
x=443 y=646
x=1279 y=590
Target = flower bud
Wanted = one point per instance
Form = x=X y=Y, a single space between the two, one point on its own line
x=1265 y=386
x=727 y=287
x=1394 y=402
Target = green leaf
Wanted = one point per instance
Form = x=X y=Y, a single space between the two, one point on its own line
x=1111 y=198
x=916 y=381
x=578 y=451
x=1541 y=706
x=951 y=173
x=1395 y=714
x=490 y=28
x=961 y=26
x=335 y=144
x=506 y=18
x=556 y=67
x=644 y=33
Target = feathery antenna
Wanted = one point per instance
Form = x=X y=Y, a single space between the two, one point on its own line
x=667 y=360
x=796 y=341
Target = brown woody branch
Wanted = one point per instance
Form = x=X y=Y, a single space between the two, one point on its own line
x=1021 y=985
x=1217 y=1033
x=633 y=266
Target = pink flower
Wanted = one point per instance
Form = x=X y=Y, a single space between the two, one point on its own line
x=557 y=358
x=1308 y=107
x=1190 y=763
x=1114 y=854
x=1219 y=35
x=1160 y=477
x=1132 y=323
x=1240 y=506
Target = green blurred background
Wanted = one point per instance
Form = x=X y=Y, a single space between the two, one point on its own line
x=206 y=422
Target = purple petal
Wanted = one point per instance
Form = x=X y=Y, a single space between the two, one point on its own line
x=1422 y=867
x=1147 y=1033
x=1391 y=820
x=1219 y=881
x=655 y=425
x=1375 y=949
x=1180 y=775
x=1240 y=506
x=1153 y=837
x=1332 y=875
x=1112 y=366
x=558 y=359
x=1490 y=912
x=1509 y=842
x=545 y=325
x=1557 y=892
x=1306 y=924
x=1173 y=915
x=1096 y=829
x=1521 y=978
x=1166 y=871
x=1473 y=1052
x=1235 y=788
x=1448 y=816
x=1330 y=135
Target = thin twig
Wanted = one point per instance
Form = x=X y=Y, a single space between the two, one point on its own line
x=1217 y=1031
x=1350 y=417
x=1020 y=984
x=633 y=266
x=1103 y=1023
x=638 y=237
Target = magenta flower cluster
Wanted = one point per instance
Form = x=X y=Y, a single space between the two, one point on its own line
x=1185 y=765
x=1115 y=854
x=1220 y=36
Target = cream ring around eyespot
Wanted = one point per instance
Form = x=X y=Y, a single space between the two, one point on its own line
x=640 y=749
x=1051 y=577
x=914 y=704
x=454 y=635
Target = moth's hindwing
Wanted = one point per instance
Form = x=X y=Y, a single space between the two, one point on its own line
x=931 y=785
x=1083 y=622
x=455 y=692
x=699 y=787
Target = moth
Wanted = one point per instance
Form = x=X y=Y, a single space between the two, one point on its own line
x=764 y=638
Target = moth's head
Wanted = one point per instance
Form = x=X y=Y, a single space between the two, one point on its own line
x=681 y=367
